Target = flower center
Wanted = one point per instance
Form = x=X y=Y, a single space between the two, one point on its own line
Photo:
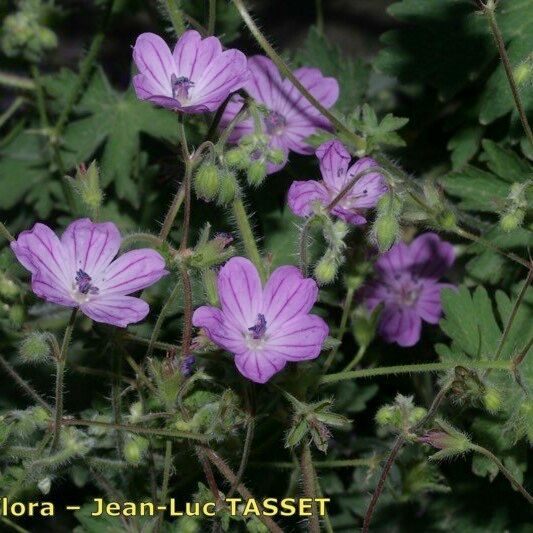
x=407 y=292
x=83 y=283
x=255 y=338
x=180 y=87
x=275 y=123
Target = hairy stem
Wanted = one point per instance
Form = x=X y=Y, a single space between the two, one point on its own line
x=60 y=373
x=23 y=384
x=422 y=367
x=186 y=337
x=212 y=17
x=355 y=361
x=319 y=8
x=230 y=476
x=141 y=430
x=166 y=479
x=309 y=483
x=516 y=485
x=175 y=15
x=4 y=232
x=14 y=81
x=247 y=236
x=250 y=427
x=331 y=464
x=172 y=213
x=489 y=11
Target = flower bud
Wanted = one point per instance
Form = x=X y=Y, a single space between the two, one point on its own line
x=16 y=315
x=364 y=325
x=237 y=158
x=386 y=226
x=135 y=448
x=206 y=181
x=449 y=440
x=228 y=188
x=209 y=280
x=257 y=172
x=35 y=348
x=136 y=412
x=326 y=270
x=8 y=288
x=276 y=156
x=492 y=399
x=512 y=220
x=86 y=184
x=446 y=219
x=388 y=415
x=187 y=365
x=523 y=73
x=44 y=485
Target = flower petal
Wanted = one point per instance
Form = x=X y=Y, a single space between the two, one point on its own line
x=302 y=194
x=259 y=365
x=154 y=60
x=278 y=142
x=287 y=295
x=115 y=309
x=400 y=325
x=41 y=252
x=350 y=216
x=395 y=260
x=193 y=55
x=145 y=90
x=368 y=189
x=265 y=83
x=132 y=272
x=430 y=257
x=244 y=127
x=334 y=160
x=299 y=339
x=239 y=289
x=222 y=333
x=428 y=305
x=90 y=246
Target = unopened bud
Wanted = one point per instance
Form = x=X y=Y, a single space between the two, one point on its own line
x=135 y=448
x=227 y=188
x=523 y=73
x=512 y=220
x=257 y=172
x=326 y=270
x=87 y=185
x=206 y=181
x=16 y=315
x=386 y=226
x=8 y=288
x=237 y=158
x=492 y=400
x=187 y=365
x=388 y=415
x=35 y=348
x=446 y=219
x=44 y=485
x=276 y=156
x=447 y=439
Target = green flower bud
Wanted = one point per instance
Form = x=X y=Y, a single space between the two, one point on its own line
x=447 y=219
x=8 y=288
x=492 y=400
x=512 y=220
x=326 y=270
x=386 y=230
x=523 y=73
x=238 y=158
x=16 y=315
x=449 y=440
x=387 y=416
x=276 y=156
x=35 y=348
x=257 y=172
x=209 y=280
x=87 y=185
x=364 y=325
x=227 y=189
x=135 y=448
x=206 y=181
x=136 y=412
x=44 y=485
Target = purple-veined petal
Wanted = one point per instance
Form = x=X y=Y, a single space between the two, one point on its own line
x=369 y=188
x=239 y=290
x=145 y=90
x=428 y=305
x=154 y=60
x=90 y=247
x=116 y=309
x=302 y=194
x=259 y=365
x=395 y=260
x=334 y=160
x=193 y=55
x=265 y=83
x=400 y=325
x=244 y=127
x=430 y=256
x=220 y=331
x=348 y=215
x=40 y=251
x=287 y=294
x=132 y=271
x=299 y=339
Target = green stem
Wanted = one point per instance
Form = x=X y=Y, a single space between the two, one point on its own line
x=162 y=315
x=186 y=337
x=16 y=82
x=516 y=485
x=4 y=232
x=11 y=110
x=358 y=141
x=409 y=369
x=358 y=356
x=137 y=429
x=247 y=236
x=172 y=213
x=212 y=17
x=60 y=373
x=23 y=384
x=250 y=427
x=166 y=480
x=344 y=320
x=324 y=465
x=117 y=399
x=319 y=16
x=489 y=10
x=309 y=485
x=175 y=15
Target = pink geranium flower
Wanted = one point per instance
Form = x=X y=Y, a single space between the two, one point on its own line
x=290 y=118
x=264 y=327
x=195 y=78
x=407 y=284
x=337 y=173
x=78 y=270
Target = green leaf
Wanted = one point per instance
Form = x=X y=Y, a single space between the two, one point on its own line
x=505 y=163
x=352 y=74
x=116 y=121
x=464 y=145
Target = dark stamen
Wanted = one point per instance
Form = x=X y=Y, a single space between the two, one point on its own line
x=275 y=122
x=180 y=87
x=259 y=328
x=83 y=281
